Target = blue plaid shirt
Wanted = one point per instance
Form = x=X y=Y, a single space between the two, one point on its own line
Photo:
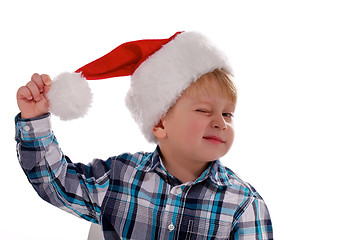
x=132 y=196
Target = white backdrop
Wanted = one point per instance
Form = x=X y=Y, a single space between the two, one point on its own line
x=293 y=68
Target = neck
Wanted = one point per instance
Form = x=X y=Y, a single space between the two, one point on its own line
x=183 y=168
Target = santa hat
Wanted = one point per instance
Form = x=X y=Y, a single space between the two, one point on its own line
x=160 y=69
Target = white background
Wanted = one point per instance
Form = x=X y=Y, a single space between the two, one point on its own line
x=293 y=69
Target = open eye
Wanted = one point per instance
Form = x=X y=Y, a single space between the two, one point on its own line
x=230 y=115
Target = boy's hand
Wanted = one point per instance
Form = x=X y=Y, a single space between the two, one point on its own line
x=31 y=98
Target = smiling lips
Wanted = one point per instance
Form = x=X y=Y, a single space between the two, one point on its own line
x=214 y=139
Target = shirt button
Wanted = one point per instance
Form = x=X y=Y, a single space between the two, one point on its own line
x=171 y=227
x=179 y=191
x=26 y=128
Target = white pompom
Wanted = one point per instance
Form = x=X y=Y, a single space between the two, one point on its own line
x=70 y=96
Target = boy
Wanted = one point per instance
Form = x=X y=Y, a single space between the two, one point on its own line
x=181 y=190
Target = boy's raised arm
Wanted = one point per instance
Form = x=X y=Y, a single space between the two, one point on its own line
x=55 y=178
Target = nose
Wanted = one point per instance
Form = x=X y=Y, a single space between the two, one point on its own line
x=219 y=123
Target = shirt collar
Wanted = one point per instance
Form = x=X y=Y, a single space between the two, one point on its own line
x=220 y=175
x=216 y=172
x=150 y=161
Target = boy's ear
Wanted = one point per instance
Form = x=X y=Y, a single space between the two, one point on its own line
x=159 y=130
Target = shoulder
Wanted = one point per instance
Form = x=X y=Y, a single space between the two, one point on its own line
x=231 y=182
x=251 y=215
x=240 y=187
x=247 y=201
x=131 y=159
x=127 y=163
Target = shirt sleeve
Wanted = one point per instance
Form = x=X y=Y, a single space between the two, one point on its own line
x=76 y=188
x=254 y=223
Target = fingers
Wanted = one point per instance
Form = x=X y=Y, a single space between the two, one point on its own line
x=41 y=80
x=23 y=92
x=37 y=80
x=35 y=90
x=47 y=83
x=46 y=79
x=39 y=84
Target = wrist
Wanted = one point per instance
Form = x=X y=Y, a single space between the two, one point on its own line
x=27 y=118
x=31 y=116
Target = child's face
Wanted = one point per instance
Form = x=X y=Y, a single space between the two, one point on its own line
x=199 y=128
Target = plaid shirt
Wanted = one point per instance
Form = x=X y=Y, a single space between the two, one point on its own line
x=133 y=196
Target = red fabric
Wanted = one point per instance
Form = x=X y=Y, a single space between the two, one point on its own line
x=123 y=60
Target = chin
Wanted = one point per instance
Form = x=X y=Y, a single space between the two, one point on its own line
x=212 y=157
x=214 y=154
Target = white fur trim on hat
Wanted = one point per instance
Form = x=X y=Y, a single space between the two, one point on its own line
x=160 y=80
x=70 y=96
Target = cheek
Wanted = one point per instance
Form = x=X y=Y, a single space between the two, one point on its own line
x=197 y=126
x=193 y=128
x=230 y=134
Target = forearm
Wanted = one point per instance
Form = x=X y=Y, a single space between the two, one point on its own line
x=52 y=175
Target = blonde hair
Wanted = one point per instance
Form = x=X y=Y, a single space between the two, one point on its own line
x=215 y=83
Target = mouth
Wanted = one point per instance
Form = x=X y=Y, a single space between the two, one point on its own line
x=214 y=139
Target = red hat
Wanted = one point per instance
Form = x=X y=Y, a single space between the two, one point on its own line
x=160 y=69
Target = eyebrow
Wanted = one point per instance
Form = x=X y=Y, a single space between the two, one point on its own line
x=199 y=102
x=202 y=102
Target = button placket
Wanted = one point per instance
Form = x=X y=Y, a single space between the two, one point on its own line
x=168 y=223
